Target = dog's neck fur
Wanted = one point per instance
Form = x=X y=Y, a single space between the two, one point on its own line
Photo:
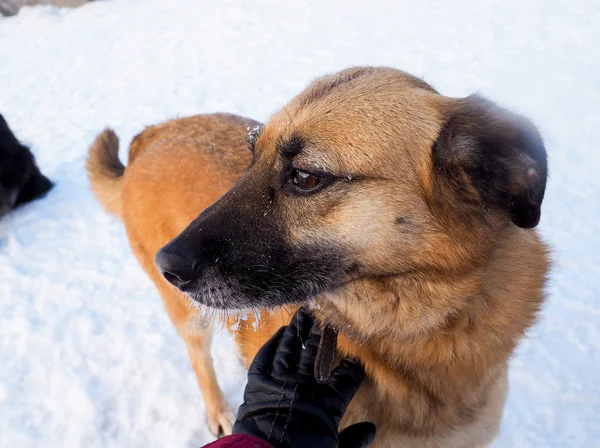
x=427 y=341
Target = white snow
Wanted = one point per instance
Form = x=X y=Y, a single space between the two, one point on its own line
x=89 y=358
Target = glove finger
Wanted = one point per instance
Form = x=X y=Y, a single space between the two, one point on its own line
x=289 y=350
x=359 y=435
x=346 y=379
x=310 y=349
x=263 y=361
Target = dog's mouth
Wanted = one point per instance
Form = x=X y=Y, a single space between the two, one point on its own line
x=252 y=290
x=232 y=294
x=219 y=293
x=240 y=294
x=240 y=276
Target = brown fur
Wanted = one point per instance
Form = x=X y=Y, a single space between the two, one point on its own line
x=175 y=170
x=445 y=286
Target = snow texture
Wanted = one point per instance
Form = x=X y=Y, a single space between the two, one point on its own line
x=89 y=357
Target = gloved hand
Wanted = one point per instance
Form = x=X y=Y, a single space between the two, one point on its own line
x=286 y=406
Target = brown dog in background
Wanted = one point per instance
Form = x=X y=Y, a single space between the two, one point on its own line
x=404 y=217
x=175 y=171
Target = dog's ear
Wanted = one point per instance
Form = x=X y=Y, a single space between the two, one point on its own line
x=499 y=154
x=36 y=186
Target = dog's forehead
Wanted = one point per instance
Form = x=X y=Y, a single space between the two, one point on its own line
x=356 y=116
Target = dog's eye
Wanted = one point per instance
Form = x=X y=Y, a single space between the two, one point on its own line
x=306 y=181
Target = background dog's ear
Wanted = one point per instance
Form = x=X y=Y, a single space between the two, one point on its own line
x=36 y=186
x=499 y=153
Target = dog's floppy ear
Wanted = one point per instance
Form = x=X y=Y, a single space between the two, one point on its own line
x=498 y=153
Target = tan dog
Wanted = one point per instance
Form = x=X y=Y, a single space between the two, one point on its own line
x=402 y=214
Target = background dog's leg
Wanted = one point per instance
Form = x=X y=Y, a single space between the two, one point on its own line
x=198 y=340
x=219 y=415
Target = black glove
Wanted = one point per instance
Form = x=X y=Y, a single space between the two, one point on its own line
x=286 y=406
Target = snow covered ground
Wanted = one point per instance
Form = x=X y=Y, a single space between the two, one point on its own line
x=88 y=357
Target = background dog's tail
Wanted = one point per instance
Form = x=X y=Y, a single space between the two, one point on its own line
x=105 y=171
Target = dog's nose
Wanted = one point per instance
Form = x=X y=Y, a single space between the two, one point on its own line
x=176 y=265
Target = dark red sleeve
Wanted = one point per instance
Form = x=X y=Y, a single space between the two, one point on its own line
x=239 y=441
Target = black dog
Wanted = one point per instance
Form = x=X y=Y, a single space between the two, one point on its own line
x=20 y=179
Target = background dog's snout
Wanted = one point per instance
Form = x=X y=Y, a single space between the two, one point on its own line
x=176 y=265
